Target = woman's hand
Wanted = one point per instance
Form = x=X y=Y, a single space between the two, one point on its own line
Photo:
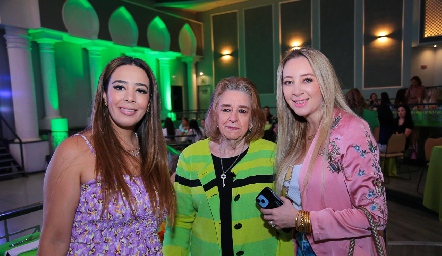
x=281 y=217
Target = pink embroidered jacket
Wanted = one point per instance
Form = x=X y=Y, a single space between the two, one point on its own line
x=346 y=174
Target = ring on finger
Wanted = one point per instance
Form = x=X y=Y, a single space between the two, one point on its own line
x=271 y=223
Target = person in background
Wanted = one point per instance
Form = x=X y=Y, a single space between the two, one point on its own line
x=107 y=189
x=184 y=126
x=203 y=126
x=432 y=98
x=355 y=100
x=218 y=179
x=415 y=92
x=271 y=134
x=169 y=129
x=400 y=98
x=373 y=101
x=268 y=115
x=327 y=162
x=404 y=123
x=195 y=129
x=387 y=123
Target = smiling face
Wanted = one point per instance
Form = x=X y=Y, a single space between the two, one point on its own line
x=301 y=89
x=233 y=112
x=127 y=96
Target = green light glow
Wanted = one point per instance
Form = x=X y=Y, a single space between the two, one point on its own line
x=59 y=125
x=59 y=128
x=172 y=115
x=75 y=70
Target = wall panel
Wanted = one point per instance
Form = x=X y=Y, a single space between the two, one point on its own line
x=337 y=38
x=258 y=23
x=383 y=57
x=225 y=41
x=295 y=24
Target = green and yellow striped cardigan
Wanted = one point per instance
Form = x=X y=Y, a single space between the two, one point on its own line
x=197 y=224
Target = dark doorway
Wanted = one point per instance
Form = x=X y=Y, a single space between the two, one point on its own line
x=177 y=98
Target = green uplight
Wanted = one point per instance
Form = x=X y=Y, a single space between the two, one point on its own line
x=59 y=128
x=172 y=115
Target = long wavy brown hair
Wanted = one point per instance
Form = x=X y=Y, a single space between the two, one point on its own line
x=356 y=101
x=153 y=164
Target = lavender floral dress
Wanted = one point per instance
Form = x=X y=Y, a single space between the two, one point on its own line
x=118 y=231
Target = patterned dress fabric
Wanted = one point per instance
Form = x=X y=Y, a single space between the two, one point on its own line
x=117 y=231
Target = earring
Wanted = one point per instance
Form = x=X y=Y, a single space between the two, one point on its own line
x=105 y=103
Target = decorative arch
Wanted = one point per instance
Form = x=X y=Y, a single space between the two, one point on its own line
x=158 y=35
x=80 y=19
x=123 y=28
x=187 y=41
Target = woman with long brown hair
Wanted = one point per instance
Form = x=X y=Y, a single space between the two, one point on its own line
x=107 y=189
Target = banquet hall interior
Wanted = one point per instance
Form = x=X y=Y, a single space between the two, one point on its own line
x=52 y=53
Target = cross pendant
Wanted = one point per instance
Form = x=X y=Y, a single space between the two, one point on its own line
x=223 y=177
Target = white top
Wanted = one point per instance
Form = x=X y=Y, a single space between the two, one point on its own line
x=177 y=132
x=294 y=191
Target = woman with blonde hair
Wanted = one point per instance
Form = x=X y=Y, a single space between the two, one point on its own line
x=327 y=163
x=107 y=189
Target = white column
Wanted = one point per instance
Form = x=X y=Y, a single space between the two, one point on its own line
x=191 y=83
x=95 y=66
x=49 y=77
x=165 y=86
x=22 y=83
x=33 y=151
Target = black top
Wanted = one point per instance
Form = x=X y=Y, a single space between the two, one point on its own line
x=225 y=200
x=401 y=129
x=270 y=135
x=387 y=123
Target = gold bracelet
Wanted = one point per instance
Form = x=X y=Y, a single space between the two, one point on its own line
x=298 y=219
x=309 y=223
x=302 y=222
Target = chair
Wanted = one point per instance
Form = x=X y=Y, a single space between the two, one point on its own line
x=395 y=148
x=429 y=144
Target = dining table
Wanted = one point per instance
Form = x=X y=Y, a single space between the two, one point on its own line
x=433 y=189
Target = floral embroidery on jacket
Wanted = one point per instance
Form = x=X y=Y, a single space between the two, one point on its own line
x=333 y=156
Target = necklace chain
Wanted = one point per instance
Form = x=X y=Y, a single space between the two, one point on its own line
x=311 y=136
x=223 y=175
x=134 y=152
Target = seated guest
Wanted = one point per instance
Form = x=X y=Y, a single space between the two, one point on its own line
x=268 y=115
x=373 y=101
x=184 y=126
x=356 y=102
x=387 y=124
x=169 y=129
x=194 y=129
x=203 y=126
x=400 y=98
x=432 y=98
x=404 y=123
x=271 y=134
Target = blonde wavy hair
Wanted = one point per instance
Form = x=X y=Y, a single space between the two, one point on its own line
x=292 y=128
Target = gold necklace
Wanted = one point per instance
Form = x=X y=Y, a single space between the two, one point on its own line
x=134 y=152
